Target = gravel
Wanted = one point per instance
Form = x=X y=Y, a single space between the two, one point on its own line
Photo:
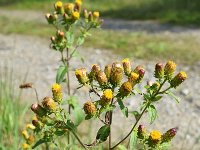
x=30 y=54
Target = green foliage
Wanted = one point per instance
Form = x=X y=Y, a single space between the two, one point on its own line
x=152 y=113
x=103 y=133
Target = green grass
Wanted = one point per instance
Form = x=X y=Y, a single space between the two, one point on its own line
x=182 y=12
x=11 y=112
x=183 y=49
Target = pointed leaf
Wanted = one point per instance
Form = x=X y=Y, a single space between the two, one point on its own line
x=103 y=133
x=177 y=99
x=61 y=72
x=152 y=113
x=133 y=140
x=136 y=114
x=78 y=115
x=41 y=141
x=123 y=108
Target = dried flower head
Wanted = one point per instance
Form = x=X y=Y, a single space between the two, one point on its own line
x=178 y=79
x=31 y=140
x=57 y=92
x=116 y=74
x=95 y=69
x=81 y=75
x=26 y=86
x=106 y=98
x=127 y=66
x=38 y=110
x=125 y=89
x=49 y=104
x=89 y=108
x=169 y=70
x=101 y=78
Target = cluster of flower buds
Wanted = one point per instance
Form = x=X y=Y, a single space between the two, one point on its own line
x=28 y=136
x=167 y=72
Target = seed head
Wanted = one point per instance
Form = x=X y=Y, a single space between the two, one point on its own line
x=38 y=110
x=159 y=71
x=89 y=108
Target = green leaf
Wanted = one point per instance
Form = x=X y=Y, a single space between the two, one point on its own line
x=39 y=142
x=136 y=114
x=70 y=37
x=103 y=133
x=70 y=125
x=80 y=40
x=133 y=140
x=177 y=99
x=123 y=108
x=107 y=108
x=87 y=117
x=61 y=72
x=59 y=132
x=157 y=98
x=73 y=101
x=147 y=97
x=164 y=146
x=152 y=113
x=78 y=115
x=121 y=147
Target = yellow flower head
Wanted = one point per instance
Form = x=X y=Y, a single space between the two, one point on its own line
x=96 y=14
x=78 y=2
x=49 y=104
x=75 y=15
x=25 y=146
x=169 y=69
x=178 y=79
x=57 y=92
x=25 y=134
x=101 y=78
x=155 y=135
x=89 y=108
x=81 y=75
x=30 y=126
x=58 y=4
x=56 y=88
x=125 y=88
x=133 y=78
x=127 y=66
x=69 y=7
x=108 y=94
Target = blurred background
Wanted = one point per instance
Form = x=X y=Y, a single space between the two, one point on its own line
x=146 y=31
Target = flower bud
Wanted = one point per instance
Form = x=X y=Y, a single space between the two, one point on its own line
x=133 y=78
x=75 y=15
x=49 y=104
x=86 y=15
x=95 y=69
x=101 y=78
x=125 y=89
x=159 y=71
x=60 y=35
x=155 y=136
x=53 y=39
x=69 y=8
x=137 y=69
x=178 y=79
x=141 y=73
x=59 y=7
x=156 y=86
x=116 y=74
x=78 y=4
x=149 y=83
x=50 y=18
x=106 y=98
x=37 y=109
x=89 y=108
x=30 y=126
x=169 y=135
x=169 y=70
x=25 y=134
x=107 y=71
x=90 y=16
x=141 y=132
x=96 y=15
x=127 y=66
x=31 y=140
x=57 y=93
x=81 y=75
x=37 y=123
x=26 y=146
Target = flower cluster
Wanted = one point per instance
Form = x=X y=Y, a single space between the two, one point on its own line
x=69 y=15
x=155 y=139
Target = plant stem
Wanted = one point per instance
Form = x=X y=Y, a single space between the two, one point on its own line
x=110 y=123
x=79 y=140
x=132 y=127
x=147 y=105
x=68 y=90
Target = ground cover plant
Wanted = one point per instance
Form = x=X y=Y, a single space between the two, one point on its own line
x=111 y=85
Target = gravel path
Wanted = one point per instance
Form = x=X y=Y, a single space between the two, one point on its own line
x=32 y=55
x=24 y=53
